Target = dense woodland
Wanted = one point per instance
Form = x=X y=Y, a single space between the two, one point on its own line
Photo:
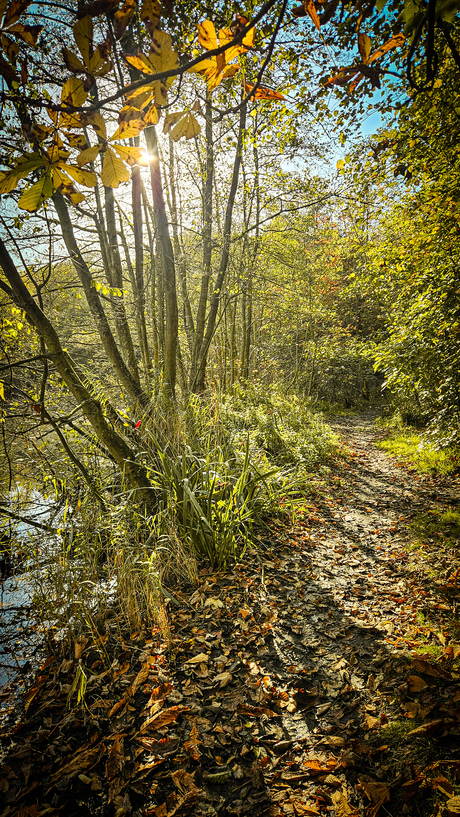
x=221 y=226
x=201 y=249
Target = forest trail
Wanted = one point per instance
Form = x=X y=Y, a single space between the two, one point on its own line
x=320 y=677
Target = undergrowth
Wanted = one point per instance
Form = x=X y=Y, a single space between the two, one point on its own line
x=417 y=449
x=221 y=467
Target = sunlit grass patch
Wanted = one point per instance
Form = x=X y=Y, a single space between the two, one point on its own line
x=437 y=524
x=416 y=449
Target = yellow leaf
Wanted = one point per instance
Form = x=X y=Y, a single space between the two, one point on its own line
x=83 y=33
x=171 y=120
x=152 y=116
x=37 y=194
x=126 y=130
x=2 y=390
x=114 y=170
x=28 y=34
x=364 y=47
x=84 y=177
x=88 y=155
x=97 y=121
x=188 y=126
x=123 y=16
x=140 y=62
x=162 y=56
x=73 y=92
x=132 y=155
x=150 y=13
x=72 y=62
x=10 y=179
x=340 y=164
x=207 y=36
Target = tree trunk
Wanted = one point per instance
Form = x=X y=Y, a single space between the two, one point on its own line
x=125 y=457
x=169 y=271
x=198 y=383
x=207 y=254
x=105 y=333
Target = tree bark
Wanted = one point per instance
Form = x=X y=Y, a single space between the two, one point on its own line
x=198 y=384
x=105 y=333
x=125 y=457
x=169 y=270
x=207 y=254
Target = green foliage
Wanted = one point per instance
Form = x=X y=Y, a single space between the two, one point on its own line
x=281 y=428
x=418 y=450
x=213 y=508
x=444 y=526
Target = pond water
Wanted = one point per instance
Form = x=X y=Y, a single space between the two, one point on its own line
x=32 y=549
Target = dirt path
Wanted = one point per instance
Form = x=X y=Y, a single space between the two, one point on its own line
x=319 y=677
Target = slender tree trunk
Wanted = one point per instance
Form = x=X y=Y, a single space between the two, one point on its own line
x=105 y=333
x=123 y=330
x=207 y=254
x=152 y=277
x=189 y=324
x=169 y=271
x=198 y=383
x=125 y=457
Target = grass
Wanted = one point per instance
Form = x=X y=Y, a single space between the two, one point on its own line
x=437 y=524
x=414 y=448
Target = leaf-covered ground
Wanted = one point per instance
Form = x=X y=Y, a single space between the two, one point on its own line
x=319 y=677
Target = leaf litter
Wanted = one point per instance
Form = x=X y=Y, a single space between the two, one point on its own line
x=321 y=678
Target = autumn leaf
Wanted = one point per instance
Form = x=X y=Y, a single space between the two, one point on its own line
x=181 y=123
x=94 y=62
x=114 y=170
x=163 y=718
x=217 y=68
x=123 y=17
x=84 y=759
x=37 y=194
x=310 y=9
x=197 y=659
x=364 y=47
x=191 y=745
x=116 y=758
x=263 y=93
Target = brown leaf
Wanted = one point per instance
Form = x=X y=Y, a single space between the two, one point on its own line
x=342 y=806
x=377 y=793
x=320 y=766
x=191 y=745
x=371 y=722
x=116 y=707
x=116 y=758
x=420 y=665
x=432 y=727
x=364 y=47
x=197 y=659
x=84 y=759
x=141 y=676
x=163 y=718
x=443 y=785
x=416 y=684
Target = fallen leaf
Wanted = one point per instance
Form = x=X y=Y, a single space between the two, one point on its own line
x=416 y=684
x=116 y=758
x=163 y=718
x=197 y=659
